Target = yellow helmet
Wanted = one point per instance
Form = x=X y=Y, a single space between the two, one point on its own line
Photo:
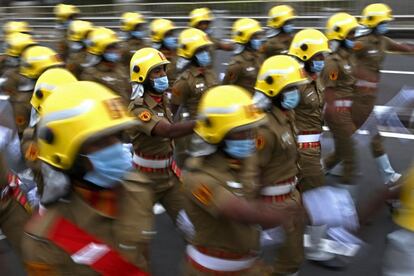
x=47 y=83
x=129 y=20
x=279 y=72
x=143 y=61
x=199 y=15
x=16 y=27
x=100 y=39
x=405 y=215
x=16 y=43
x=374 y=14
x=340 y=25
x=78 y=30
x=63 y=12
x=278 y=15
x=308 y=43
x=74 y=114
x=223 y=109
x=190 y=40
x=244 y=28
x=159 y=27
x=36 y=59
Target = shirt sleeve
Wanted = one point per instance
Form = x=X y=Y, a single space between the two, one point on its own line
x=265 y=145
x=232 y=73
x=147 y=118
x=330 y=74
x=388 y=42
x=180 y=92
x=206 y=192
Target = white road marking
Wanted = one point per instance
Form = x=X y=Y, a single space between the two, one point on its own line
x=397 y=72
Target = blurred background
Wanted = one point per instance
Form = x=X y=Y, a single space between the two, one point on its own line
x=312 y=13
x=396 y=97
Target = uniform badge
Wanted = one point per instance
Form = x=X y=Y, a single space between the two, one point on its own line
x=144 y=116
x=32 y=152
x=115 y=108
x=260 y=142
x=358 y=46
x=333 y=75
x=176 y=92
x=20 y=120
x=203 y=194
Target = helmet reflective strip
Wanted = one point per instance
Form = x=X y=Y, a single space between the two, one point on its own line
x=280 y=14
x=82 y=108
x=248 y=26
x=200 y=13
x=310 y=41
x=45 y=86
x=377 y=13
x=221 y=110
x=192 y=39
x=289 y=70
x=344 y=22
x=144 y=58
x=44 y=57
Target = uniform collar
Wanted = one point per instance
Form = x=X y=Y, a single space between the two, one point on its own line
x=102 y=201
x=168 y=53
x=150 y=101
x=103 y=66
x=280 y=116
x=344 y=53
x=196 y=71
x=249 y=55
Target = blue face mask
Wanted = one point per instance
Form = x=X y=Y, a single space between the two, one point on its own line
x=290 y=99
x=138 y=34
x=240 y=149
x=203 y=58
x=349 y=43
x=382 y=29
x=317 y=66
x=288 y=28
x=256 y=43
x=170 y=42
x=112 y=57
x=109 y=166
x=160 y=84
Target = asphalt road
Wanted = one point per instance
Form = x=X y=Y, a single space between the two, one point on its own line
x=167 y=248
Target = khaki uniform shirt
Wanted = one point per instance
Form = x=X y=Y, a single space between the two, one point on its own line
x=277 y=148
x=74 y=62
x=3 y=65
x=209 y=182
x=20 y=100
x=150 y=113
x=370 y=52
x=172 y=72
x=243 y=69
x=62 y=44
x=277 y=45
x=128 y=49
x=308 y=114
x=30 y=150
x=115 y=78
x=129 y=233
x=190 y=86
x=337 y=74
